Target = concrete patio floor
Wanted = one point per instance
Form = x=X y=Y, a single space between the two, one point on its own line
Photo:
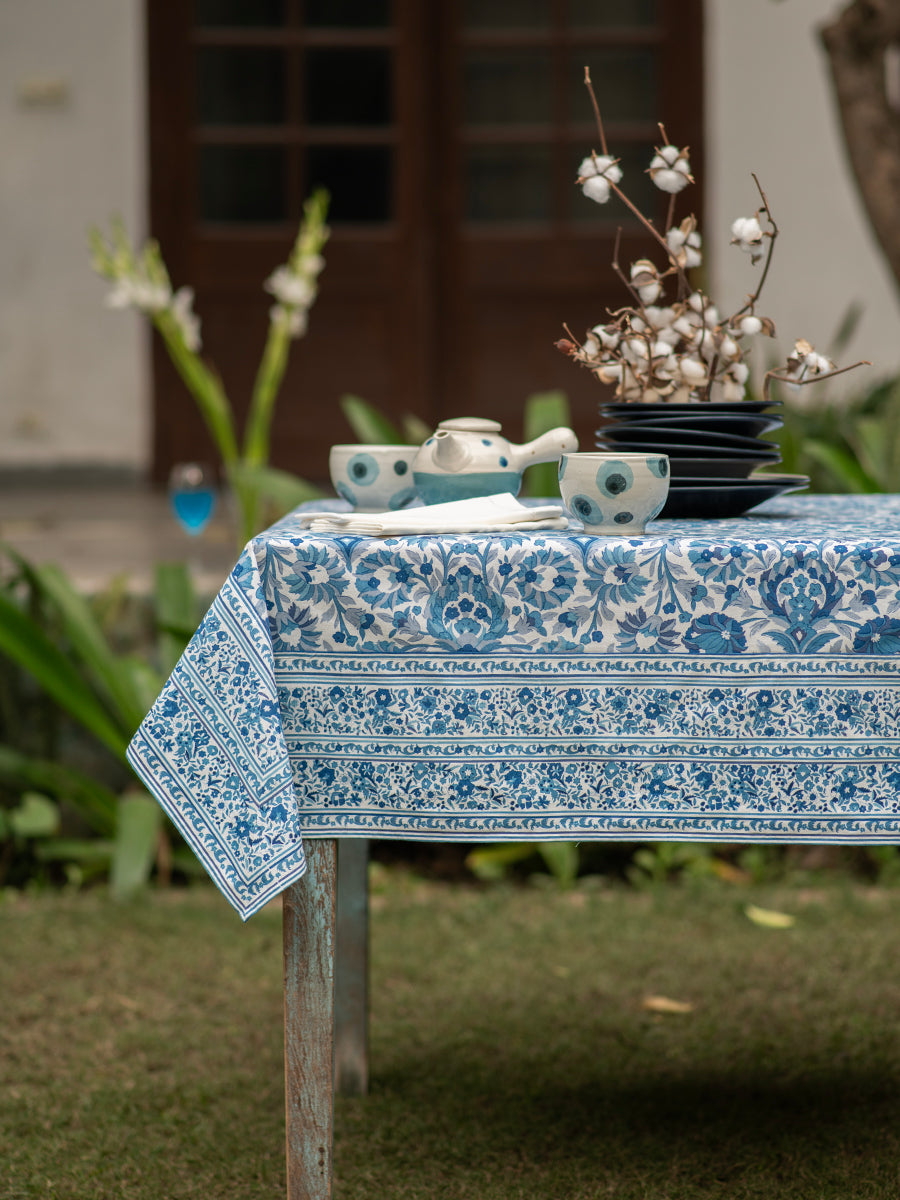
x=103 y=528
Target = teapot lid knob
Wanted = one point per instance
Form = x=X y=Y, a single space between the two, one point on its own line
x=471 y=425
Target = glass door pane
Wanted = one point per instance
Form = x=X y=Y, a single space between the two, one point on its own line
x=242 y=183
x=507 y=183
x=506 y=14
x=260 y=14
x=507 y=87
x=240 y=85
x=348 y=86
x=347 y=14
x=606 y=14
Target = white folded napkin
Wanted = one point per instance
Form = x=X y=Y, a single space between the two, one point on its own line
x=481 y=514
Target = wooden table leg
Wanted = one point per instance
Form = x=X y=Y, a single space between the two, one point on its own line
x=351 y=969
x=309 y=935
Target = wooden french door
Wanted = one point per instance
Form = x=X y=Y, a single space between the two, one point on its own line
x=448 y=133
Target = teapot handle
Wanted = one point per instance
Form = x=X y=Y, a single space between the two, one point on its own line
x=548 y=446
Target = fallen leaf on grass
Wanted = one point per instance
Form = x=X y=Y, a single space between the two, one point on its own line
x=728 y=871
x=769 y=918
x=662 y=1004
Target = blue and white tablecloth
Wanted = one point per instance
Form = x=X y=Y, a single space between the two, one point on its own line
x=722 y=680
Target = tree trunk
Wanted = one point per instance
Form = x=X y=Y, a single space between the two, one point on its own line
x=857 y=42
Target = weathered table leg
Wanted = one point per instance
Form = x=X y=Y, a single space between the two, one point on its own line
x=309 y=928
x=351 y=969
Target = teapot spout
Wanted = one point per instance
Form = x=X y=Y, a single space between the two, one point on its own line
x=451 y=452
x=545 y=448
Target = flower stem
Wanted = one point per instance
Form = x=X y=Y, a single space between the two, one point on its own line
x=754 y=296
x=770 y=375
x=203 y=384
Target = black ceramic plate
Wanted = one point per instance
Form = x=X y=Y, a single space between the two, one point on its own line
x=643 y=434
x=726 y=481
x=622 y=409
x=694 y=450
x=732 y=468
x=727 y=501
x=745 y=426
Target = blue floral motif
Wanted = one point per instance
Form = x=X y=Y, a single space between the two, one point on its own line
x=386 y=579
x=720 y=563
x=802 y=592
x=295 y=627
x=466 y=614
x=545 y=579
x=314 y=575
x=881 y=636
x=716 y=634
x=640 y=632
x=613 y=575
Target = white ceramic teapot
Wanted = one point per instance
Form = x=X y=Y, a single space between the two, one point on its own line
x=468 y=456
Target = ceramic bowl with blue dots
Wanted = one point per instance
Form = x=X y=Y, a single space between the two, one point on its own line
x=614 y=493
x=374 y=478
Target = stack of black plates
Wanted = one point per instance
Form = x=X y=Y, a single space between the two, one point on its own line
x=716 y=452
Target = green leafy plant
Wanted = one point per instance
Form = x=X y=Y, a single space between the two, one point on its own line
x=494 y=863
x=141 y=281
x=852 y=446
x=51 y=633
x=370 y=425
x=544 y=411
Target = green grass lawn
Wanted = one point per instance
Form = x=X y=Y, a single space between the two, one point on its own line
x=513 y=1054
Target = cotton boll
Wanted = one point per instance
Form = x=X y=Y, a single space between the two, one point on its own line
x=747 y=235
x=707 y=346
x=596 y=188
x=670 y=336
x=659 y=318
x=595 y=175
x=669 y=181
x=750 y=325
x=609 y=373
x=609 y=338
x=684 y=243
x=600 y=164
x=669 y=169
x=685 y=326
x=650 y=292
x=693 y=371
x=818 y=364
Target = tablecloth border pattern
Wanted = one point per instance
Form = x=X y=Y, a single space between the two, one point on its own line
x=221 y=771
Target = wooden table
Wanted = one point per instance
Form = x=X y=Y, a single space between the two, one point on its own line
x=714 y=680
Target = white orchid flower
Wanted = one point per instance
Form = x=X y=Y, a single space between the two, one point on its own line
x=290 y=289
x=136 y=291
x=182 y=309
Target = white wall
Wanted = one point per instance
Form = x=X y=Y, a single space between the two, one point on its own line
x=73 y=375
x=769 y=109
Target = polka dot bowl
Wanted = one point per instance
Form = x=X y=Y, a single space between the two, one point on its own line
x=614 y=494
x=373 y=478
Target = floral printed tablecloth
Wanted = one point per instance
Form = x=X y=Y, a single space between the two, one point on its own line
x=722 y=680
